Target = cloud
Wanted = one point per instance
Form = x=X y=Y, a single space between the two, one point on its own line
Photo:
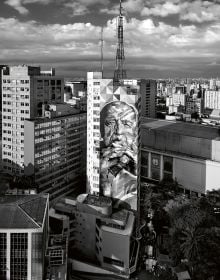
x=129 y=6
x=81 y=7
x=78 y=44
x=201 y=11
x=197 y=11
x=19 y=4
x=162 y=10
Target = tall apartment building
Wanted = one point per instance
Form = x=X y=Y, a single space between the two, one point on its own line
x=24 y=90
x=23 y=236
x=55 y=150
x=212 y=99
x=148 y=90
x=112 y=140
x=195 y=105
x=176 y=99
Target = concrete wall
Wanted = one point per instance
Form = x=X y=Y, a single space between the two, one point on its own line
x=29 y=147
x=212 y=175
x=191 y=174
x=115 y=246
x=216 y=150
x=85 y=234
x=197 y=175
x=182 y=144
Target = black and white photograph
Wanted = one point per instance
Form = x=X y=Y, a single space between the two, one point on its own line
x=109 y=139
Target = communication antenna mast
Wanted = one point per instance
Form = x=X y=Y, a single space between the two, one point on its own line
x=120 y=72
x=102 y=43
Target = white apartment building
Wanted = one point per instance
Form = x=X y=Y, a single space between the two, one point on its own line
x=24 y=91
x=176 y=100
x=212 y=99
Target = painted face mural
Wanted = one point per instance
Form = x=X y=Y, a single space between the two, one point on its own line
x=119 y=153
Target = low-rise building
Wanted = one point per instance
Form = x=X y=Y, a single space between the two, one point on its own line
x=101 y=236
x=187 y=153
x=23 y=236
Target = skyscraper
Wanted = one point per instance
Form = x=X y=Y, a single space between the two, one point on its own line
x=24 y=90
x=113 y=138
x=55 y=150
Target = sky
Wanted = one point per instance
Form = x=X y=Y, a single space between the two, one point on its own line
x=162 y=39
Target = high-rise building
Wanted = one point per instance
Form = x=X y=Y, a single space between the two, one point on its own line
x=1 y=68
x=112 y=141
x=212 y=99
x=148 y=90
x=55 y=150
x=23 y=236
x=24 y=90
x=212 y=84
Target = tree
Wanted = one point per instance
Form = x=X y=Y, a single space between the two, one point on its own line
x=194 y=235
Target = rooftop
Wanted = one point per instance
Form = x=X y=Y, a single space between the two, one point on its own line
x=120 y=215
x=22 y=211
x=182 y=128
x=99 y=201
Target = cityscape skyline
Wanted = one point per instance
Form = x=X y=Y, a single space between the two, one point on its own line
x=162 y=38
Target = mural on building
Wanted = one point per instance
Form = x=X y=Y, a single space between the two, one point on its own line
x=119 y=149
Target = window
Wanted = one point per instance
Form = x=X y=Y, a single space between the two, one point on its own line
x=18 y=256
x=167 y=168
x=155 y=166
x=144 y=158
x=3 y=255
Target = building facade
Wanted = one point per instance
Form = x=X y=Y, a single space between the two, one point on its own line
x=186 y=153
x=212 y=99
x=55 y=150
x=24 y=91
x=101 y=235
x=113 y=138
x=23 y=236
x=148 y=90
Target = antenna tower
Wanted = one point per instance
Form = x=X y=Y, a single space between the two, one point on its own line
x=120 y=72
x=102 y=41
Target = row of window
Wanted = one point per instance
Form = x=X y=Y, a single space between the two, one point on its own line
x=9 y=139
x=10 y=110
x=13 y=125
x=17 y=104
x=156 y=166
x=15 y=89
x=17 y=96
x=7 y=81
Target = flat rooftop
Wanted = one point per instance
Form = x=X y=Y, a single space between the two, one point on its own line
x=181 y=128
x=120 y=215
x=99 y=201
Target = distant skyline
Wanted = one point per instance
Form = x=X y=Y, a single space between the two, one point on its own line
x=163 y=39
